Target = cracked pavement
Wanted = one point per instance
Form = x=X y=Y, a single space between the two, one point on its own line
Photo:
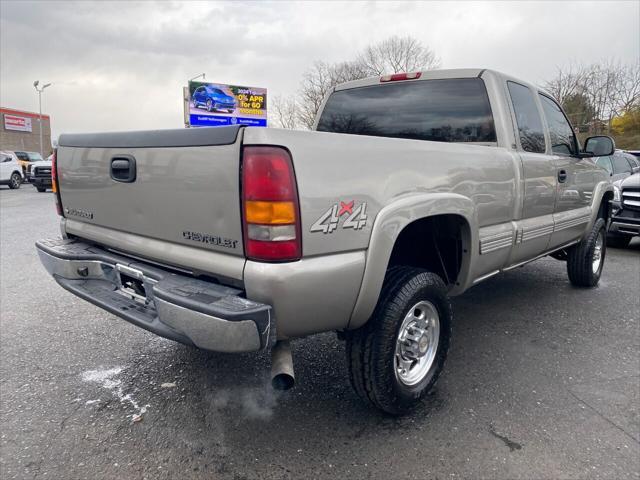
x=542 y=381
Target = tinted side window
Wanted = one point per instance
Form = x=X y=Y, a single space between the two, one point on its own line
x=563 y=140
x=632 y=161
x=620 y=164
x=527 y=117
x=451 y=110
x=605 y=162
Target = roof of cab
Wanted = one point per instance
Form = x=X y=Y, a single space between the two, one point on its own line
x=439 y=75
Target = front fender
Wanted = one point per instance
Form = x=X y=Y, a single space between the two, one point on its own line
x=389 y=222
x=598 y=195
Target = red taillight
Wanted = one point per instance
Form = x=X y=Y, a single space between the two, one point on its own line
x=54 y=182
x=270 y=205
x=400 y=76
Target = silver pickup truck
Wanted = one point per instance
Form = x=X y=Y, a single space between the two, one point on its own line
x=412 y=188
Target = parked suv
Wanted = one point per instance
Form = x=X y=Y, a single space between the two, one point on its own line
x=625 y=220
x=10 y=170
x=619 y=165
x=212 y=98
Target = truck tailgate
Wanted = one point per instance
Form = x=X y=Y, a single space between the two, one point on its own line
x=177 y=186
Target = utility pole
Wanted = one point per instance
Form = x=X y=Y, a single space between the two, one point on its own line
x=40 y=90
x=198 y=76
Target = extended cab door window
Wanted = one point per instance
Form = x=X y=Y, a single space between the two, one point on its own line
x=528 y=118
x=563 y=140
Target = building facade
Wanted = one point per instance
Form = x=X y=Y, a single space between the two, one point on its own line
x=20 y=130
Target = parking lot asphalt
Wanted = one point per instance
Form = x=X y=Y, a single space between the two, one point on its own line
x=542 y=381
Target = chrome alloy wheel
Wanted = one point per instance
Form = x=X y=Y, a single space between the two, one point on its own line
x=417 y=343
x=597 y=253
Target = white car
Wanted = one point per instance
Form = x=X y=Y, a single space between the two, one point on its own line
x=10 y=170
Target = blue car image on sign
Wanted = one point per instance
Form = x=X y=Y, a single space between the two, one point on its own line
x=213 y=104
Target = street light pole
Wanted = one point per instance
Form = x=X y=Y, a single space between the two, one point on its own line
x=40 y=90
x=198 y=76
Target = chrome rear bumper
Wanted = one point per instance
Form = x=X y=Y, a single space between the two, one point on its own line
x=179 y=307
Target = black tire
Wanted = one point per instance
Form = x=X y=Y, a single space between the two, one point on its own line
x=371 y=349
x=617 y=240
x=15 y=181
x=209 y=106
x=581 y=257
x=41 y=189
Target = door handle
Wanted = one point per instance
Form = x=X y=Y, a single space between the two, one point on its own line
x=123 y=168
x=562 y=176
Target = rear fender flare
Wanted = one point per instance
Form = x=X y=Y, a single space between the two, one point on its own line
x=389 y=222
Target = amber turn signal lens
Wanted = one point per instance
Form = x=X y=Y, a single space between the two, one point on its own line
x=270 y=213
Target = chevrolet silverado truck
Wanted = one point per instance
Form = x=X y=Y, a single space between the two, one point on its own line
x=410 y=189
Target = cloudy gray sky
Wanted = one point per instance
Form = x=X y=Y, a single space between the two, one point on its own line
x=121 y=66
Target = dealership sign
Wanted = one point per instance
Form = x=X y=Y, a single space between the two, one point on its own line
x=14 y=122
x=214 y=104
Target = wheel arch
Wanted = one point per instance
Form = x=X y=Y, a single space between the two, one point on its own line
x=601 y=206
x=394 y=226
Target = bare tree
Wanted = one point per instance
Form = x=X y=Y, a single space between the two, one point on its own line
x=318 y=81
x=568 y=82
x=284 y=112
x=612 y=88
x=397 y=54
x=606 y=90
x=628 y=88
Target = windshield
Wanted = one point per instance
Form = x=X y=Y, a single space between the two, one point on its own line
x=451 y=110
x=33 y=157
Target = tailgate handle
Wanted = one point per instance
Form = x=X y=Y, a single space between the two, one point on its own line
x=123 y=168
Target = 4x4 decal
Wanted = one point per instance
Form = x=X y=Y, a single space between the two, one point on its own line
x=329 y=220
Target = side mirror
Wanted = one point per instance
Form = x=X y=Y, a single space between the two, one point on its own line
x=600 y=146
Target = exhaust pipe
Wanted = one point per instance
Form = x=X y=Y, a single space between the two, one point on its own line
x=282 y=377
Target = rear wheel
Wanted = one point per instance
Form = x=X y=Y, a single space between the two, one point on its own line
x=617 y=240
x=15 y=181
x=209 y=106
x=586 y=259
x=398 y=355
x=41 y=189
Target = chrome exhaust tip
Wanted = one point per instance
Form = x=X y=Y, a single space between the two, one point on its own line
x=282 y=377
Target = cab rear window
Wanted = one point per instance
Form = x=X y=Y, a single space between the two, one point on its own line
x=451 y=110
